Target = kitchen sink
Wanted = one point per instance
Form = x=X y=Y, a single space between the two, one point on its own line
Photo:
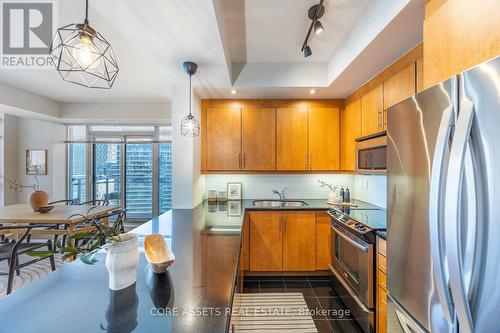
x=278 y=203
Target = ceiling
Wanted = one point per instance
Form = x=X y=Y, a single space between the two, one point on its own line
x=252 y=46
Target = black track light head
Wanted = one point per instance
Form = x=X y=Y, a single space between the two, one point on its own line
x=318 y=28
x=307 y=51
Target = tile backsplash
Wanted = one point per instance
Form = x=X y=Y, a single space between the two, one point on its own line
x=371 y=189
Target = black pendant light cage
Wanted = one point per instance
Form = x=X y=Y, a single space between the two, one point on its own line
x=189 y=125
x=83 y=56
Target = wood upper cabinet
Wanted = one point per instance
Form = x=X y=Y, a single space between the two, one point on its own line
x=351 y=130
x=223 y=139
x=420 y=75
x=291 y=139
x=258 y=139
x=323 y=139
x=459 y=35
x=266 y=250
x=323 y=241
x=371 y=111
x=398 y=87
x=299 y=237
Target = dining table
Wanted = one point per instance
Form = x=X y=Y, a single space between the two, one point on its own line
x=68 y=216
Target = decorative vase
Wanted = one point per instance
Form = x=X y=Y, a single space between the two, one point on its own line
x=332 y=197
x=38 y=199
x=121 y=262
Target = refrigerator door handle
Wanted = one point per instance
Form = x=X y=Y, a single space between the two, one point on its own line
x=436 y=227
x=454 y=183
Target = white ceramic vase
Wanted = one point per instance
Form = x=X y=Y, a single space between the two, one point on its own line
x=332 y=197
x=121 y=262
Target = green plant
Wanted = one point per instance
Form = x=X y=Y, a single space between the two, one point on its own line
x=333 y=188
x=91 y=242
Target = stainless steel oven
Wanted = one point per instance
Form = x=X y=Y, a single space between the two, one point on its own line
x=353 y=259
x=353 y=264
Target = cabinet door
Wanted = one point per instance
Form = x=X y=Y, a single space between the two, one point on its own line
x=259 y=139
x=323 y=139
x=351 y=130
x=398 y=87
x=381 y=310
x=266 y=250
x=371 y=111
x=291 y=139
x=323 y=241
x=298 y=241
x=245 y=244
x=223 y=147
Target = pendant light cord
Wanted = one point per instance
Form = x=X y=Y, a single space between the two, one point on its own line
x=86 y=11
x=190 y=97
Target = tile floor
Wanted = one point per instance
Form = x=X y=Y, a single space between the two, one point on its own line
x=318 y=294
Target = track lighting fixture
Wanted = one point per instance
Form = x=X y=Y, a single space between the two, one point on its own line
x=307 y=51
x=314 y=13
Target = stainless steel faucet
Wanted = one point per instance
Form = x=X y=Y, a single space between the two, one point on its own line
x=281 y=194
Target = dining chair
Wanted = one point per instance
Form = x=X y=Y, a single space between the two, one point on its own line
x=66 y=202
x=97 y=202
x=11 y=249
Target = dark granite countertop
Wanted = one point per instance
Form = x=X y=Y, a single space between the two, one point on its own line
x=206 y=243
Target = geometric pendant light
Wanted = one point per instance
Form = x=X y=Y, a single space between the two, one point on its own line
x=189 y=125
x=83 y=56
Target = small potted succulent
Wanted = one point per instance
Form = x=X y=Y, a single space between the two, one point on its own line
x=333 y=197
x=37 y=198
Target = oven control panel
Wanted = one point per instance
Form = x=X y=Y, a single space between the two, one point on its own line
x=348 y=222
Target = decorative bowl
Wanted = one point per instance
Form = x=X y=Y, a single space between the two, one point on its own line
x=43 y=209
x=158 y=254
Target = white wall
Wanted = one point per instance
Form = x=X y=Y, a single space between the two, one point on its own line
x=371 y=189
x=261 y=186
x=23 y=133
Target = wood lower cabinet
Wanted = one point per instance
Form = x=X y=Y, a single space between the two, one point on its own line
x=266 y=241
x=223 y=139
x=245 y=244
x=286 y=241
x=372 y=111
x=323 y=138
x=258 y=139
x=323 y=241
x=381 y=309
x=291 y=139
x=351 y=130
x=299 y=238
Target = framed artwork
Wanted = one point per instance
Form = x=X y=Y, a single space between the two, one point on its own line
x=234 y=208
x=36 y=161
x=234 y=191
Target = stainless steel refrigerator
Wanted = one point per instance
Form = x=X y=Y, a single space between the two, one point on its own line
x=443 y=167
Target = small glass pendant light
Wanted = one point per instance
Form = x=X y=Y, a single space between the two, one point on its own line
x=189 y=125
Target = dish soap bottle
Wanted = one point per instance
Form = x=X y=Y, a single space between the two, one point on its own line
x=347 y=195
x=342 y=194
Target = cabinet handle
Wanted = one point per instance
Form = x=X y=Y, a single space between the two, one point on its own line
x=244 y=160
x=310 y=161
x=385 y=118
x=378 y=119
x=305 y=161
x=239 y=161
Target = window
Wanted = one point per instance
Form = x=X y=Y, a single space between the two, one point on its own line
x=129 y=166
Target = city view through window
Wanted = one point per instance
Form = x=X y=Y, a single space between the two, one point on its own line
x=122 y=171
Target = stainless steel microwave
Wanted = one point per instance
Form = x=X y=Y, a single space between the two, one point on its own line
x=371 y=154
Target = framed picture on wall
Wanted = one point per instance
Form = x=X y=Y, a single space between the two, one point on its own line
x=36 y=161
x=234 y=191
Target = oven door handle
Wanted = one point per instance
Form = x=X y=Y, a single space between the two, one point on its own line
x=361 y=247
